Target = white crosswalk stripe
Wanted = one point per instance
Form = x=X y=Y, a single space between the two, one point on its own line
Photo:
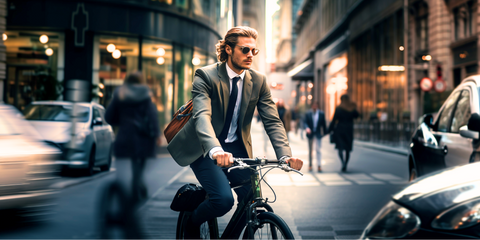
x=332 y=179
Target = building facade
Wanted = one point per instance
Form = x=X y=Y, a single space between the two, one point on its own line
x=51 y=42
x=378 y=51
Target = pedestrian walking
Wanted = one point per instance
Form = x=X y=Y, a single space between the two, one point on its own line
x=225 y=95
x=132 y=111
x=341 y=129
x=285 y=115
x=316 y=128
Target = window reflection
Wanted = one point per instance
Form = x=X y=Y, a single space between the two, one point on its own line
x=157 y=60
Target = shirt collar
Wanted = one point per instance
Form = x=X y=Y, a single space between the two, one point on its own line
x=232 y=74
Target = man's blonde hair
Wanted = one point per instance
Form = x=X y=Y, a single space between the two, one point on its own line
x=231 y=39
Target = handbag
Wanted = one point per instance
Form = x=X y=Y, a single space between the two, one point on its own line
x=188 y=197
x=180 y=118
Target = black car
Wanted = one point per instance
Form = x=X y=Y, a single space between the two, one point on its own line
x=445 y=204
x=450 y=138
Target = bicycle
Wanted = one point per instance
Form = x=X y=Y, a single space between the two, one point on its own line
x=260 y=215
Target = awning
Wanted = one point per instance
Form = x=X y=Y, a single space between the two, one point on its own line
x=302 y=72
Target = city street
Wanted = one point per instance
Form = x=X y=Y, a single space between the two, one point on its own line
x=327 y=205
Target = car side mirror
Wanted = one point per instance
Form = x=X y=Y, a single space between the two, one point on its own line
x=97 y=121
x=428 y=119
x=474 y=122
x=467 y=133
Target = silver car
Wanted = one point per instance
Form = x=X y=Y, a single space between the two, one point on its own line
x=92 y=139
x=451 y=138
x=27 y=164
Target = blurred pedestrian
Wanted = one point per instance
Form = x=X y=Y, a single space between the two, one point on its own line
x=132 y=110
x=316 y=128
x=341 y=128
x=285 y=115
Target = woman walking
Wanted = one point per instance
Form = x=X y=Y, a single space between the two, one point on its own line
x=133 y=112
x=341 y=129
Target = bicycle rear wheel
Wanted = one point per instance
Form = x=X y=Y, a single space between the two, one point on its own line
x=270 y=226
x=208 y=230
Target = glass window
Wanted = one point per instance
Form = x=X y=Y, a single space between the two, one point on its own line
x=32 y=66
x=55 y=113
x=462 y=112
x=464 y=20
x=183 y=75
x=446 y=114
x=118 y=56
x=157 y=61
x=182 y=3
x=200 y=59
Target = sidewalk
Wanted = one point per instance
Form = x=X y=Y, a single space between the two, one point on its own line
x=159 y=221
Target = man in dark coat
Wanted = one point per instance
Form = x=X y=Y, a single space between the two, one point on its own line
x=316 y=128
x=132 y=110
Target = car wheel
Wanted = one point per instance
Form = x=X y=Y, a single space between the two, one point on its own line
x=413 y=174
x=91 y=162
x=106 y=167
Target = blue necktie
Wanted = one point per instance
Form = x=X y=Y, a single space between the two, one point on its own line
x=232 y=101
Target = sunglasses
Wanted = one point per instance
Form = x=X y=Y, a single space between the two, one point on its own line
x=245 y=50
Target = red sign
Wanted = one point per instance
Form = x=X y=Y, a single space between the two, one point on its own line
x=439 y=85
x=426 y=84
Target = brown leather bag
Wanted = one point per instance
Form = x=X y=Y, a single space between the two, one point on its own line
x=180 y=118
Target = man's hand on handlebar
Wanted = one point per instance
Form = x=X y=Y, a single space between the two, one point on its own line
x=295 y=163
x=223 y=159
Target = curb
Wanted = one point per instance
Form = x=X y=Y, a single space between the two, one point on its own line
x=73 y=182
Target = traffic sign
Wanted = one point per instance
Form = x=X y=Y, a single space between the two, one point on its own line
x=426 y=84
x=439 y=85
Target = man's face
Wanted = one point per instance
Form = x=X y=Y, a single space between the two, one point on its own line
x=314 y=106
x=238 y=60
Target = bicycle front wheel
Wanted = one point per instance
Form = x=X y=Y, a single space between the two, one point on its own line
x=208 y=230
x=270 y=226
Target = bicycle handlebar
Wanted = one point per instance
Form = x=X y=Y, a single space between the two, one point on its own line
x=242 y=163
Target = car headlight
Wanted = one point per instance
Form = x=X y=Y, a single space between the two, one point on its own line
x=81 y=136
x=393 y=221
x=462 y=216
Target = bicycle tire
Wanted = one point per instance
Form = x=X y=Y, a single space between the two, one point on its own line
x=208 y=230
x=277 y=228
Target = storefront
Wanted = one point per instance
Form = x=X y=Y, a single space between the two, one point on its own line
x=83 y=42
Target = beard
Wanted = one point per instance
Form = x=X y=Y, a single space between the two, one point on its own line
x=236 y=64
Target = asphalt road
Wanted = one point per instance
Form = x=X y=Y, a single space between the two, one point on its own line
x=326 y=205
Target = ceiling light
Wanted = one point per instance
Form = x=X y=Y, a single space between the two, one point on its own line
x=111 y=47
x=116 y=54
x=49 y=51
x=43 y=39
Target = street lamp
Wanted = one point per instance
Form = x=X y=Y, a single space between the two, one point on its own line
x=49 y=52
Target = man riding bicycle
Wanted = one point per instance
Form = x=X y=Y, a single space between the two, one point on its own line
x=225 y=95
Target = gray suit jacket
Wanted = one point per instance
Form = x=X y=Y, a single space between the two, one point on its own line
x=211 y=92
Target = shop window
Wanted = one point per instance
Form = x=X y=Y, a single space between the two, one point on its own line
x=32 y=67
x=183 y=75
x=157 y=61
x=118 y=57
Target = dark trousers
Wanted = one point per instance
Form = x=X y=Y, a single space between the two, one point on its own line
x=139 y=190
x=215 y=181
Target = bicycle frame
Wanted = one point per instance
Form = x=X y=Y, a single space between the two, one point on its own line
x=248 y=205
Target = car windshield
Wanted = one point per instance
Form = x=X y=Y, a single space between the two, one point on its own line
x=57 y=113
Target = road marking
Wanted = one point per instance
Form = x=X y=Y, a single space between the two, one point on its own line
x=338 y=183
x=332 y=179
x=386 y=176
x=372 y=182
x=327 y=177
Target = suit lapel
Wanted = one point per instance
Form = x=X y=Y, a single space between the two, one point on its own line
x=224 y=86
x=246 y=94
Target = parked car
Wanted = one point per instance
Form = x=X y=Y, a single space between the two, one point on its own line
x=27 y=164
x=92 y=139
x=448 y=139
x=445 y=204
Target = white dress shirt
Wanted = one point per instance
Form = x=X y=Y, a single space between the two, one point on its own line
x=315 y=119
x=231 y=136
